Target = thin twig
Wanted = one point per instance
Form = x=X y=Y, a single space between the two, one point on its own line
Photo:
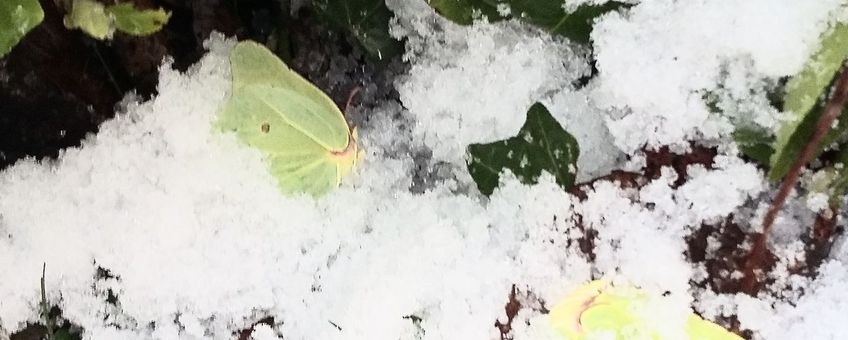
x=832 y=110
x=108 y=70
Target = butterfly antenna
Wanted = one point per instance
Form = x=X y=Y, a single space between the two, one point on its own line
x=350 y=97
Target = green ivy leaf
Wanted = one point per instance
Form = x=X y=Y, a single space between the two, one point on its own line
x=137 y=22
x=17 y=18
x=366 y=20
x=541 y=145
x=91 y=17
x=804 y=98
x=547 y=14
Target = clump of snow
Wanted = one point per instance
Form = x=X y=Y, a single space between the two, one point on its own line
x=581 y=117
x=656 y=59
x=263 y=332
x=819 y=314
x=199 y=243
x=474 y=84
x=818 y=201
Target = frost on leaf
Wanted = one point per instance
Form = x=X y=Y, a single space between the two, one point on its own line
x=541 y=145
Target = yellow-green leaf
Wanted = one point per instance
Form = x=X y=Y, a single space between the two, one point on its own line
x=91 y=17
x=17 y=18
x=804 y=99
x=138 y=22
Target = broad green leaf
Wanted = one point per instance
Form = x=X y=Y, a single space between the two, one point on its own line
x=91 y=17
x=549 y=15
x=302 y=134
x=138 y=22
x=17 y=18
x=804 y=99
x=541 y=145
x=366 y=20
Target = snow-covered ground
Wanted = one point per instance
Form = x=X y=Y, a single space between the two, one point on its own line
x=198 y=242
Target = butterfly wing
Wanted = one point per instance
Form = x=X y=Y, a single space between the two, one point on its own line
x=299 y=159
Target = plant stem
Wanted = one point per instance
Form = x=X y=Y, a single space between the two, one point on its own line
x=45 y=309
x=759 y=252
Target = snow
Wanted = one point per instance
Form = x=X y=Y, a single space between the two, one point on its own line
x=481 y=106
x=657 y=59
x=198 y=243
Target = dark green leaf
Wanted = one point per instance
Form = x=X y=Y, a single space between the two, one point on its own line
x=17 y=18
x=464 y=12
x=547 y=14
x=754 y=143
x=550 y=15
x=541 y=145
x=366 y=20
x=65 y=334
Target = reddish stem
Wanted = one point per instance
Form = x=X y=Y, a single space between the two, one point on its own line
x=759 y=251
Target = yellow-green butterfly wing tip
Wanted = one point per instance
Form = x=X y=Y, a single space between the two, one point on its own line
x=700 y=329
x=597 y=307
x=302 y=134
